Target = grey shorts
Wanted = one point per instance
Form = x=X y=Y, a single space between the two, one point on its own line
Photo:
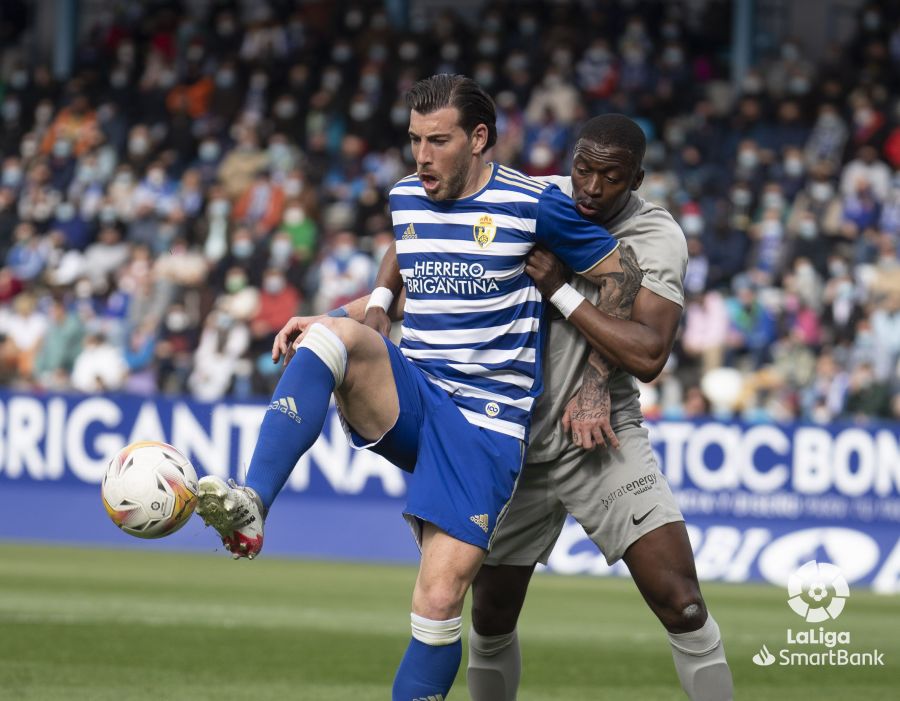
x=616 y=495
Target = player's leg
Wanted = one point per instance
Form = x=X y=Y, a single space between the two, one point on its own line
x=625 y=505
x=335 y=355
x=495 y=661
x=432 y=658
x=662 y=565
x=533 y=521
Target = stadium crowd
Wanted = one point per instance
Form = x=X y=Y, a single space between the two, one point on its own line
x=211 y=169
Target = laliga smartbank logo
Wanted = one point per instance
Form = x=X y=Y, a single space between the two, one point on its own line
x=817 y=592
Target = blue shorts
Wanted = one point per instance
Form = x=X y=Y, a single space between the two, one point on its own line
x=462 y=476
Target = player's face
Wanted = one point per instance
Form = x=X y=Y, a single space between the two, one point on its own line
x=443 y=152
x=602 y=179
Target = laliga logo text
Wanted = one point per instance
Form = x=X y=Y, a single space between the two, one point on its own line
x=817 y=592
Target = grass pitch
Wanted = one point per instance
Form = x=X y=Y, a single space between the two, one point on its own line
x=79 y=623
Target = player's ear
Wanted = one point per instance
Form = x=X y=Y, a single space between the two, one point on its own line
x=638 y=179
x=479 y=138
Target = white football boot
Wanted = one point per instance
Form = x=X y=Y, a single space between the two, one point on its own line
x=235 y=512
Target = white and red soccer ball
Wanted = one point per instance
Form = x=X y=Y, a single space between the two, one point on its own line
x=149 y=489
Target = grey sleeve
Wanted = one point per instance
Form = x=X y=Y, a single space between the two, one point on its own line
x=662 y=255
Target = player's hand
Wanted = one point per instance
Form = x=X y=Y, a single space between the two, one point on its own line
x=547 y=271
x=586 y=418
x=283 y=346
x=377 y=318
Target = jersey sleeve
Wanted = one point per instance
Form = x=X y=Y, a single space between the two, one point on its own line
x=580 y=244
x=663 y=257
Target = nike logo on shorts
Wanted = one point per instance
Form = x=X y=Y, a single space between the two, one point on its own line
x=639 y=521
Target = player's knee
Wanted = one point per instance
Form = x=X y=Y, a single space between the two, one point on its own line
x=489 y=617
x=684 y=610
x=489 y=620
x=686 y=615
x=344 y=328
x=498 y=594
x=439 y=601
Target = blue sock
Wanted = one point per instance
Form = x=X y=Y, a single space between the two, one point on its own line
x=292 y=423
x=427 y=671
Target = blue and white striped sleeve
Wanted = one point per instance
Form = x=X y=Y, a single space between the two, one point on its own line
x=580 y=243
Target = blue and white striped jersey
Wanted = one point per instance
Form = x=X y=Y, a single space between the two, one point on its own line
x=472 y=315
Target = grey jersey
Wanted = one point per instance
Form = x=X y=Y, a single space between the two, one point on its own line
x=661 y=250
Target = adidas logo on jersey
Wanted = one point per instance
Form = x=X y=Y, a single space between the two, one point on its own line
x=435 y=697
x=409 y=233
x=287 y=406
x=480 y=520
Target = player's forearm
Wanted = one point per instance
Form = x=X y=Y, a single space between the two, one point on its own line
x=356 y=309
x=635 y=348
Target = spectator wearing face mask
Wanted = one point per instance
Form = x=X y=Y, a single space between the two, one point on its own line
x=61 y=163
x=278 y=300
x=22 y=331
x=73 y=125
x=140 y=148
x=820 y=203
x=178 y=337
x=301 y=229
x=260 y=206
x=752 y=326
x=285 y=111
x=140 y=355
x=27 y=257
x=241 y=298
x=100 y=367
x=242 y=164
x=841 y=311
x=156 y=194
x=105 y=256
x=244 y=252
x=75 y=230
x=867 y=166
x=344 y=274
x=60 y=348
x=219 y=356
x=706 y=329
x=209 y=157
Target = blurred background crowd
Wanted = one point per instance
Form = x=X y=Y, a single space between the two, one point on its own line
x=212 y=168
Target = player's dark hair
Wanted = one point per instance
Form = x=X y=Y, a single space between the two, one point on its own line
x=616 y=130
x=445 y=90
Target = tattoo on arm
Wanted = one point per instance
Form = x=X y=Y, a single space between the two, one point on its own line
x=618 y=290
x=617 y=293
x=592 y=400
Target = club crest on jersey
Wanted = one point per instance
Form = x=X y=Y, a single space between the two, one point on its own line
x=484 y=230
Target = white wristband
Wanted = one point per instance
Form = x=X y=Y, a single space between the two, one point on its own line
x=566 y=299
x=381 y=297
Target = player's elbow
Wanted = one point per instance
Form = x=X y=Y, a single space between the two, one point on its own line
x=649 y=366
x=647 y=376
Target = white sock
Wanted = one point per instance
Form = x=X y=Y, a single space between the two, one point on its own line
x=700 y=662
x=436 y=633
x=495 y=666
x=331 y=350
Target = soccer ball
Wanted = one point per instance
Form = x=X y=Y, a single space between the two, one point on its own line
x=149 y=489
